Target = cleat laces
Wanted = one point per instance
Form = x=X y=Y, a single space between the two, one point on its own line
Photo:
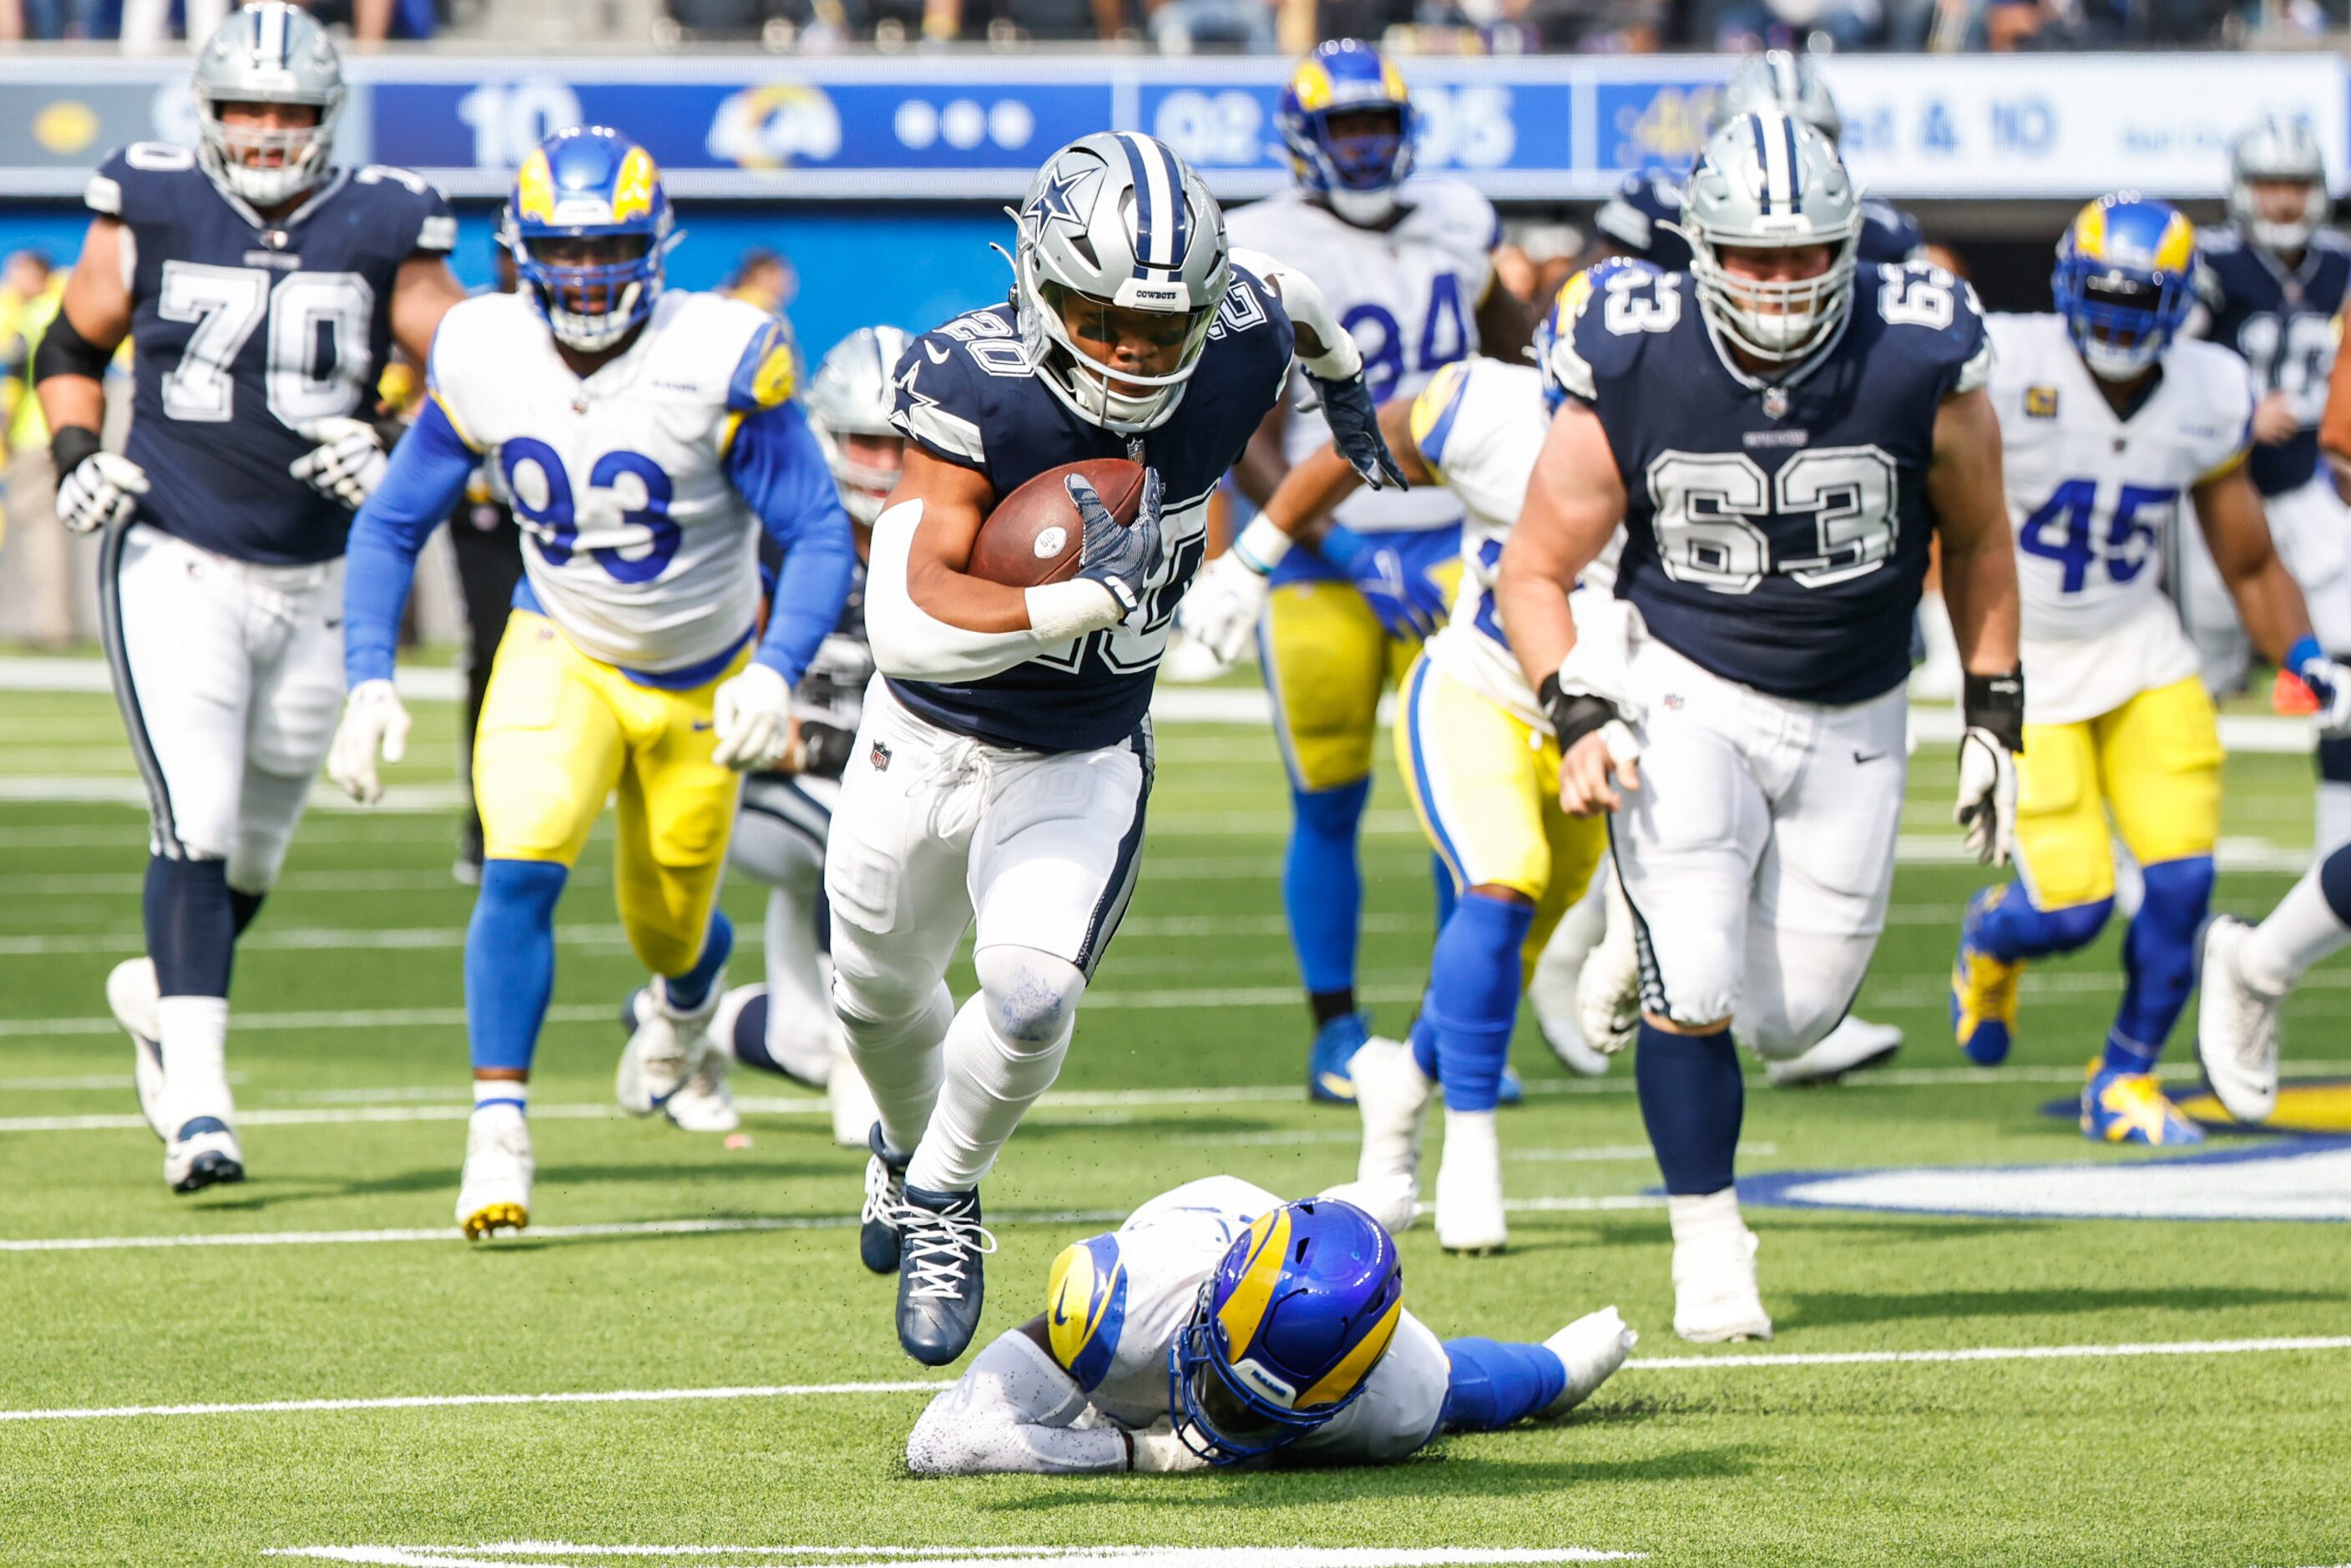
x=939 y=1251
x=885 y=1195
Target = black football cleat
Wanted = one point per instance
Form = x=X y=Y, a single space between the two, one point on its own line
x=942 y=1288
x=885 y=1194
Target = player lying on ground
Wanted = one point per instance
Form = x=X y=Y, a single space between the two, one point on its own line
x=1778 y=441
x=2110 y=421
x=263 y=288
x=1005 y=761
x=1222 y=1326
x=647 y=438
x=2244 y=971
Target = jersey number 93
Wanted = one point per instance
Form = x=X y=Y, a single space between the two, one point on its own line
x=543 y=501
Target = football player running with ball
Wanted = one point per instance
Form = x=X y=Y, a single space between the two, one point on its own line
x=1779 y=437
x=264 y=288
x=1406 y=262
x=1005 y=761
x=1221 y=1327
x=647 y=437
x=2111 y=422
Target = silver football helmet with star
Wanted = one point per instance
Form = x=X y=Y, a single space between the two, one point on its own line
x=2283 y=148
x=1768 y=181
x=850 y=394
x=1116 y=221
x=272 y=52
x=1783 y=79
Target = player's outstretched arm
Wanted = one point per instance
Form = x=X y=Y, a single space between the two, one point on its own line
x=2229 y=509
x=1010 y=1412
x=95 y=487
x=1575 y=499
x=1968 y=498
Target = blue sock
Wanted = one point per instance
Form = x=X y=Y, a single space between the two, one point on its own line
x=691 y=989
x=1322 y=886
x=510 y=960
x=243 y=907
x=1495 y=1383
x=1422 y=1041
x=2159 y=961
x=191 y=926
x=2016 y=929
x=1473 y=996
x=1692 y=1102
x=2334 y=882
x=750 y=1045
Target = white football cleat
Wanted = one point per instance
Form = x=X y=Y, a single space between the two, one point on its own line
x=665 y=1051
x=1608 y=991
x=854 y=1114
x=1591 y=1348
x=705 y=1102
x=132 y=994
x=493 y=1195
x=1855 y=1045
x=1715 y=1298
x=2236 y=1025
x=1550 y=990
x=1470 y=1185
x=1393 y=1201
x=204 y=1153
x=1392 y=1096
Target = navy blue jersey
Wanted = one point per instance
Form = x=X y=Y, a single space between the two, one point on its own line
x=1776 y=531
x=244 y=329
x=1634 y=221
x=2282 y=322
x=966 y=394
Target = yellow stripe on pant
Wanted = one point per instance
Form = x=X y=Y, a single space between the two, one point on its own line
x=560 y=732
x=1485 y=784
x=2153 y=763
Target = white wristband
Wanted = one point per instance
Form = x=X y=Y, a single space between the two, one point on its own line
x=1061 y=610
x=1262 y=545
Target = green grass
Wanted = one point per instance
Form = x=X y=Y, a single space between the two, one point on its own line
x=2235 y=1459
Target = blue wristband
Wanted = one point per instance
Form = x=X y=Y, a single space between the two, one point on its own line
x=2305 y=652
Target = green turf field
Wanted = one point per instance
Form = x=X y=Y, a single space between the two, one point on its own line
x=672 y=1267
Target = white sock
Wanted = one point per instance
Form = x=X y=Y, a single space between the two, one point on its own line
x=991 y=1083
x=514 y=1093
x=195 y=1064
x=1705 y=1216
x=2303 y=929
x=901 y=1063
x=2333 y=816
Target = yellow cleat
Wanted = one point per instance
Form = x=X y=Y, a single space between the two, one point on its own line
x=1983 y=989
x=2120 y=1107
x=488 y=1220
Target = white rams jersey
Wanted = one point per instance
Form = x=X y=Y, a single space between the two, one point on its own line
x=1117 y=1303
x=641 y=549
x=1479 y=426
x=2093 y=497
x=1408 y=295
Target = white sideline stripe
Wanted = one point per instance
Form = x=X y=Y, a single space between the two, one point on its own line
x=444 y=1233
x=125 y=790
x=814 y=1390
x=500 y=1554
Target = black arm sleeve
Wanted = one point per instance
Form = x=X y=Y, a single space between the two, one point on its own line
x=66 y=352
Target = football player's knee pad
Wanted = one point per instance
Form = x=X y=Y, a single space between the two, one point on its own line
x=1782 y=1017
x=1031 y=996
x=870 y=993
x=273 y=805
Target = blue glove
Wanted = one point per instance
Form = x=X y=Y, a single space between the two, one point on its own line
x=1121 y=559
x=1356 y=430
x=2328 y=681
x=1409 y=603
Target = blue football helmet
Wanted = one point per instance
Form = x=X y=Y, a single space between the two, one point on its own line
x=1358 y=171
x=1573 y=296
x=589 y=226
x=1287 y=1331
x=2125 y=281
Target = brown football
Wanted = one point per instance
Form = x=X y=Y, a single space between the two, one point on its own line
x=1033 y=537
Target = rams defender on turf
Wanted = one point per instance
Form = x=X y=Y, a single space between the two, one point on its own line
x=1004 y=764
x=264 y=288
x=1778 y=438
x=1222 y=1326
x=646 y=437
x=785 y=1024
x=1405 y=263
x=2111 y=422
x=2271 y=283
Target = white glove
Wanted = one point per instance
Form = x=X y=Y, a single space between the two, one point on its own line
x=104 y=487
x=752 y=715
x=1591 y=1348
x=346 y=464
x=1987 y=808
x=374 y=724
x=1158 y=1451
x=1220 y=613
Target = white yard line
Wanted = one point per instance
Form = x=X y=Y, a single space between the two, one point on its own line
x=814 y=1390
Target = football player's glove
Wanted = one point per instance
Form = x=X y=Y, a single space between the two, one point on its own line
x=1121 y=559
x=1354 y=421
x=349 y=459
x=1407 y=601
x=751 y=716
x=374 y=724
x=1157 y=1450
x=1993 y=706
x=95 y=488
x=1220 y=613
